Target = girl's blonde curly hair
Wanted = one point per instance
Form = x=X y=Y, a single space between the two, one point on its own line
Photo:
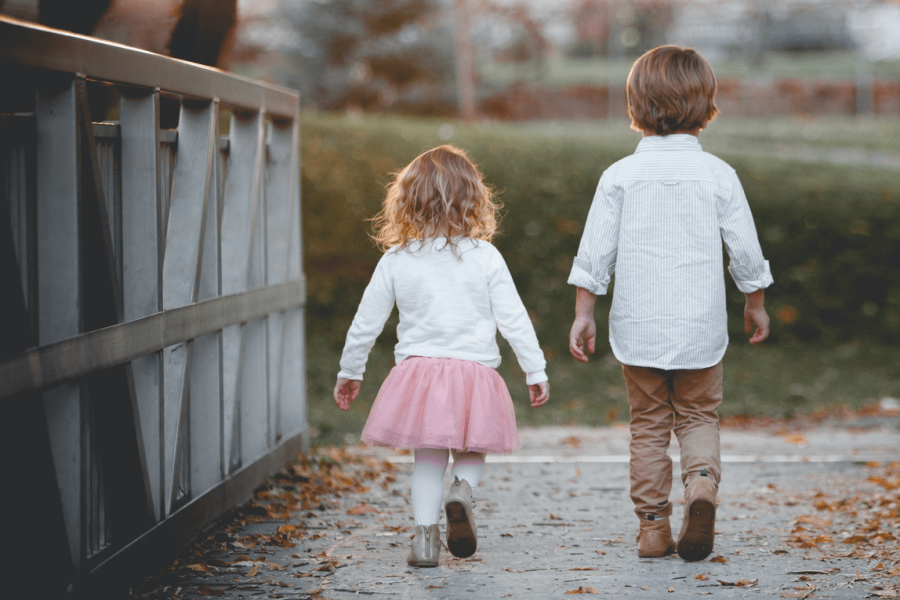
x=440 y=193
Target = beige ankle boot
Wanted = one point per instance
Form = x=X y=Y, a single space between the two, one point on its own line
x=462 y=534
x=655 y=538
x=698 y=530
x=426 y=546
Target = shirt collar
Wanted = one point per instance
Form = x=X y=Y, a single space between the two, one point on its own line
x=675 y=141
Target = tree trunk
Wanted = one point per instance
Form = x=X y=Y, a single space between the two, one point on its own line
x=465 y=61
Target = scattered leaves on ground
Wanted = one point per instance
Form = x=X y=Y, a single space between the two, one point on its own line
x=313 y=483
x=863 y=526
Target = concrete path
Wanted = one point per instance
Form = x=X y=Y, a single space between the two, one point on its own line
x=555 y=519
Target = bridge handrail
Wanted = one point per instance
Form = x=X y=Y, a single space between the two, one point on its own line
x=57 y=50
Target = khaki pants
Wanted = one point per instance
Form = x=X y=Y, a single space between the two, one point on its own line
x=661 y=401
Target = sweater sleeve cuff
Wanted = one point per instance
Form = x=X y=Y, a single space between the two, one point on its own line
x=580 y=277
x=536 y=377
x=749 y=281
x=346 y=375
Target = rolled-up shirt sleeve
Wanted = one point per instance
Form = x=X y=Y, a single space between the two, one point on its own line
x=748 y=268
x=373 y=312
x=595 y=263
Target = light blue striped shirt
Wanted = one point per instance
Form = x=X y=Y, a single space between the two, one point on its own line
x=658 y=220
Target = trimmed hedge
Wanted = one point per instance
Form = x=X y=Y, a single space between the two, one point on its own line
x=831 y=233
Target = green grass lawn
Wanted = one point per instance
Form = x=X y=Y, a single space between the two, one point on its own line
x=831 y=234
x=774 y=380
x=565 y=71
x=733 y=136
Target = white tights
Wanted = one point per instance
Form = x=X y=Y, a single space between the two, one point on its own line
x=428 y=479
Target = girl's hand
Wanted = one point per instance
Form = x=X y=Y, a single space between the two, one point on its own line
x=346 y=392
x=539 y=393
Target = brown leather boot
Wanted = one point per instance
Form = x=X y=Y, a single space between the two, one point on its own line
x=655 y=539
x=698 y=531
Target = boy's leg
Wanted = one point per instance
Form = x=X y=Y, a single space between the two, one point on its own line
x=428 y=484
x=651 y=429
x=697 y=395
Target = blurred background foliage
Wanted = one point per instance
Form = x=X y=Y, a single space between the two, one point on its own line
x=831 y=233
x=370 y=54
x=810 y=99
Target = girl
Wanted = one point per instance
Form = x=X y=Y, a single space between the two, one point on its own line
x=453 y=291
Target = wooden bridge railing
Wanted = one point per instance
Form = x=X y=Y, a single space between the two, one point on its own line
x=152 y=364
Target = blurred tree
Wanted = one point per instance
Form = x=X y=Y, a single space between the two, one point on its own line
x=358 y=53
x=465 y=60
x=529 y=44
x=635 y=26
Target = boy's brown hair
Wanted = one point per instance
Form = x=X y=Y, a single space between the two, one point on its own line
x=671 y=89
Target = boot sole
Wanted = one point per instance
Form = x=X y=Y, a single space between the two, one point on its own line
x=699 y=534
x=662 y=554
x=422 y=565
x=461 y=540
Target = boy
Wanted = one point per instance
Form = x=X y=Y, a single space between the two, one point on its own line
x=658 y=220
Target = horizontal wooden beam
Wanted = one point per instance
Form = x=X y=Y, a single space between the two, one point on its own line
x=47 y=48
x=78 y=356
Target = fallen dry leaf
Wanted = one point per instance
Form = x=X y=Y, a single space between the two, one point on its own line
x=363 y=509
x=572 y=441
x=794 y=438
x=671 y=589
x=744 y=583
x=702 y=577
x=856 y=539
x=719 y=559
x=584 y=569
x=253 y=571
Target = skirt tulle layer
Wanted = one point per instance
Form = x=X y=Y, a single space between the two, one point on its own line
x=443 y=403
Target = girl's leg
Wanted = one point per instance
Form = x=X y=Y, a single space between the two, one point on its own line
x=468 y=466
x=428 y=484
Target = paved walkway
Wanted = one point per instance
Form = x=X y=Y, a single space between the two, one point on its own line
x=555 y=519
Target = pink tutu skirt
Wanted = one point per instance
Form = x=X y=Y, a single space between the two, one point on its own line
x=443 y=403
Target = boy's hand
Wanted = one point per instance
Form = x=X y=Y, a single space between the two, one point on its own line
x=583 y=330
x=755 y=314
x=346 y=392
x=539 y=393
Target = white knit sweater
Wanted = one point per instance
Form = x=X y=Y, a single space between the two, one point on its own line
x=450 y=307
